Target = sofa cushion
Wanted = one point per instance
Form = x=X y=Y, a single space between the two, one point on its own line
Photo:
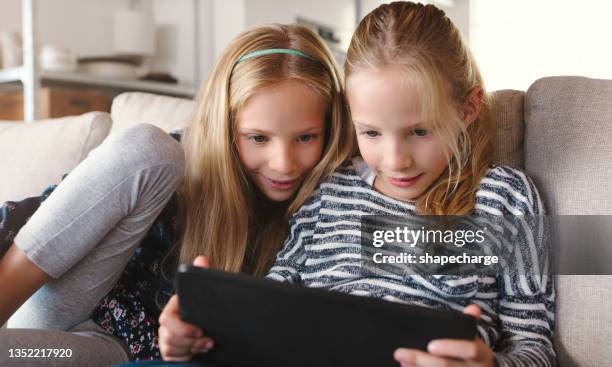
x=582 y=332
x=167 y=113
x=567 y=152
x=510 y=128
x=37 y=154
x=567 y=143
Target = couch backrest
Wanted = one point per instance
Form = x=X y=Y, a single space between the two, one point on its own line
x=568 y=145
x=37 y=154
x=167 y=113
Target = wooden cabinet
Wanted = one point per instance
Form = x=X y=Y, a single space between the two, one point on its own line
x=55 y=102
x=11 y=106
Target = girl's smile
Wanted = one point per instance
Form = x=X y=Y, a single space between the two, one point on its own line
x=286 y=184
x=404 y=181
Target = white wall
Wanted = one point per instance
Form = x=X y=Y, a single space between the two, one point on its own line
x=228 y=20
x=519 y=41
x=205 y=26
x=9 y=15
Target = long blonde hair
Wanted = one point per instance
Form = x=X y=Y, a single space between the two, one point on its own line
x=223 y=215
x=425 y=43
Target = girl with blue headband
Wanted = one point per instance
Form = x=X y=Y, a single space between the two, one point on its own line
x=269 y=124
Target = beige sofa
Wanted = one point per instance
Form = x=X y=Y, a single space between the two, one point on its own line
x=36 y=154
x=559 y=131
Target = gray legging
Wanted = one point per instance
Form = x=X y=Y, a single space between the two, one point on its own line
x=83 y=236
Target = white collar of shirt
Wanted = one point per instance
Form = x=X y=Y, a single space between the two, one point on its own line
x=363 y=170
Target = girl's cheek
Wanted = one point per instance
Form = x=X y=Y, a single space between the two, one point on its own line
x=366 y=148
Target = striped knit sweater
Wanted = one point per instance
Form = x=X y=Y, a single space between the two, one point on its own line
x=323 y=251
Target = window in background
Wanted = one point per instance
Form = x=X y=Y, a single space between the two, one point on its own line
x=516 y=42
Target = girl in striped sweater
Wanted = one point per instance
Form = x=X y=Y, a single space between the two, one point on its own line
x=424 y=127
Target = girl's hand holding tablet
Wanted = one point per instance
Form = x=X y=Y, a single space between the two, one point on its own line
x=449 y=352
x=178 y=340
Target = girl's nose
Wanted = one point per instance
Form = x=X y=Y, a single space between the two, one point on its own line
x=397 y=157
x=282 y=160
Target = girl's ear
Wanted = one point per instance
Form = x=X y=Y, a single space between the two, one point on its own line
x=471 y=107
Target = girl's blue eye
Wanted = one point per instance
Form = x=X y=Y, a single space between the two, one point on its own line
x=420 y=132
x=371 y=133
x=258 y=138
x=306 y=138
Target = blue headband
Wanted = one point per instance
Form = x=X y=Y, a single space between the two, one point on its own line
x=271 y=51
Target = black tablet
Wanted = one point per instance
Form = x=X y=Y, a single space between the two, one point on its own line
x=261 y=322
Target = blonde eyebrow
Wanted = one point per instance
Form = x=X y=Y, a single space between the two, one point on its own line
x=253 y=131
x=247 y=130
x=312 y=128
x=361 y=125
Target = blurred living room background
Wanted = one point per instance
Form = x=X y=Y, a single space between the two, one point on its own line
x=67 y=57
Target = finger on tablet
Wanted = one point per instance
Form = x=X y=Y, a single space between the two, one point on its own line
x=201 y=261
x=472 y=310
x=202 y=345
